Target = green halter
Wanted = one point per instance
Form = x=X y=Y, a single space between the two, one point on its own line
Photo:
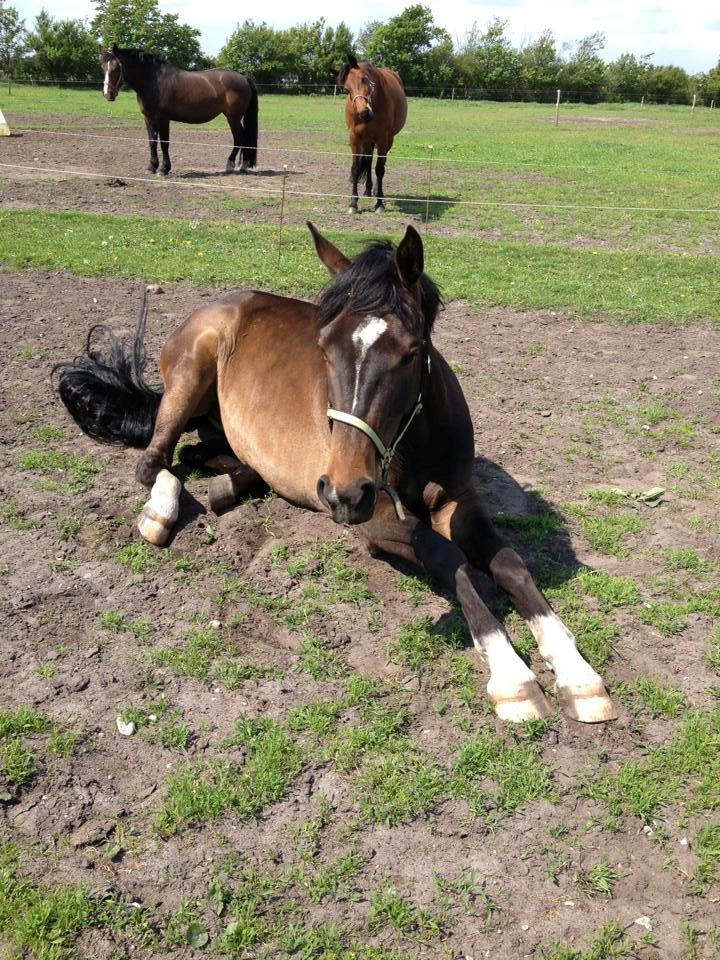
x=386 y=453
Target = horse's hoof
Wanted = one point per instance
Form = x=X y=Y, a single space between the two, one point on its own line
x=222 y=493
x=588 y=704
x=152 y=169
x=229 y=168
x=526 y=702
x=380 y=208
x=159 y=514
x=353 y=210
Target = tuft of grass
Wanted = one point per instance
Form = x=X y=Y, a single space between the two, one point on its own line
x=198 y=793
x=608 y=531
x=77 y=472
x=397 y=787
x=137 y=557
x=686 y=770
x=659 y=701
x=389 y=908
x=517 y=771
x=610 y=943
x=610 y=590
x=420 y=642
x=533 y=528
x=598 y=879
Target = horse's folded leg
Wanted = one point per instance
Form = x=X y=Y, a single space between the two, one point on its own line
x=224 y=492
x=159 y=514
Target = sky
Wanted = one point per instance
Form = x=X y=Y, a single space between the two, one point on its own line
x=674 y=32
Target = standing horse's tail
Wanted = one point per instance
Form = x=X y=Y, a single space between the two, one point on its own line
x=250 y=126
x=105 y=392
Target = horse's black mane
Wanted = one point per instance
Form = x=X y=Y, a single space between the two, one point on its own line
x=371 y=285
x=142 y=56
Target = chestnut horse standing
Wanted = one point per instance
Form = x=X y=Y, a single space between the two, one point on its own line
x=375 y=111
x=165 y=92
x=348 y=408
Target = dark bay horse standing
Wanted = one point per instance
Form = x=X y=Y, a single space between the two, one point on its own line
x=165 y=92
x=375 y=111
x=344 y=407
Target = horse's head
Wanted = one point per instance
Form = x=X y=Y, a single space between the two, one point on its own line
x=113 y=72
x=355 y=79
x=376 y=317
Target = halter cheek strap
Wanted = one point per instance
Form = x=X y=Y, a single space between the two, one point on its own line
x=386 y=453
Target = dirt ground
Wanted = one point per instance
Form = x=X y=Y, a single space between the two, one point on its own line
x=534 y=382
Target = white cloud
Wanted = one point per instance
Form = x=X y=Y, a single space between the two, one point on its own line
x=673 y=32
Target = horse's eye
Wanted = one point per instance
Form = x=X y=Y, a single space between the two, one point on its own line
x=408 y=358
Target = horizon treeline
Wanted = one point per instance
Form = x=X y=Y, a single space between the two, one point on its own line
x=483 y=63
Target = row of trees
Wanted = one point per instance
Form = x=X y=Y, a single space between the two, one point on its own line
x=481 y=63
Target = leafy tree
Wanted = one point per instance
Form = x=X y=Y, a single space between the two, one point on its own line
x=318 y=50
x=708 y=85
x=404 y=44
x=540 y=66
x=669 y=84
x=583 y=74
x=626 y=78
x=141 y=23
x=62 y=49
x=365 y=36
x=260 y=51
x=12 y=37
x=489 y=61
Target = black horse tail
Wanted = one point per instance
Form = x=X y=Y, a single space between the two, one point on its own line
x=105 y=392
x=250 y=126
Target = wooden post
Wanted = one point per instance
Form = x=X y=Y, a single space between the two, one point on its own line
x=692 y=108
x=557 y=109
x=335 y=90
x=9 y=84
x=642 y=100
x=712 y=104
x=452 y=96
x=282 y=211
x=429 y=186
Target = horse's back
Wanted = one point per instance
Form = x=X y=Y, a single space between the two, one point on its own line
x=395 y=92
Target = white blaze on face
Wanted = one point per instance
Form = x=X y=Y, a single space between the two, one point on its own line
x=557 y=647
x=106 y=84
x=367 y=333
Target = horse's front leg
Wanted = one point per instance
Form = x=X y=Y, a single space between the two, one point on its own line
x=368 y=172
x=579 y=687
x=512 y=686
x=190 y=374
x=164 y=131
x=355 y=171
x=379 y=174
x=152 y=140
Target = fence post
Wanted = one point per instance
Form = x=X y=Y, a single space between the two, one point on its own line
x=452 y=96
x=712 y=104
x=429 y=186
x=9 y=83
x=692 y=108
x=642 y=100
x=335 y=90
x=557 y=109
x=282 y=212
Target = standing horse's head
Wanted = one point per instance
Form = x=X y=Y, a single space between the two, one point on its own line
x=113 y=71
x=376 y=317
x=355 y=79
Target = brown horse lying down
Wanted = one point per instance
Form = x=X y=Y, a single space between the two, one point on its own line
x=375 y=112
x=305 y=393
x=165 y=92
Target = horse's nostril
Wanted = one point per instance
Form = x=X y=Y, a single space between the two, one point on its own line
x=326 y=491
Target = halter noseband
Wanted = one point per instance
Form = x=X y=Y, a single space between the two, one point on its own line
x=386 y=453
x=365 y=97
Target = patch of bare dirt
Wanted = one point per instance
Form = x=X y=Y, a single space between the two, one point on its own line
x=538 y=385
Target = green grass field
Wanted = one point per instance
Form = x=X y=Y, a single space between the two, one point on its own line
x=597 y=216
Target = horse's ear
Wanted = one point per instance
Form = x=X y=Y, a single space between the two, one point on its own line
x=335 y=261
x=409 y=257
x=115 y=49
x=352 y=61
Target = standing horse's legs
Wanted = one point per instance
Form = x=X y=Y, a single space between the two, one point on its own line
x=383 y=149
x=512 y=687
x=580 y=689
x=368 y=172
x=164 y=131
x=236 y=128
x=356 y=171
x=152 y=140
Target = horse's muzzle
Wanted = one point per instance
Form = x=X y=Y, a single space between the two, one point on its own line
x=110 y=95
x=366 y=115
x=354 y=504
